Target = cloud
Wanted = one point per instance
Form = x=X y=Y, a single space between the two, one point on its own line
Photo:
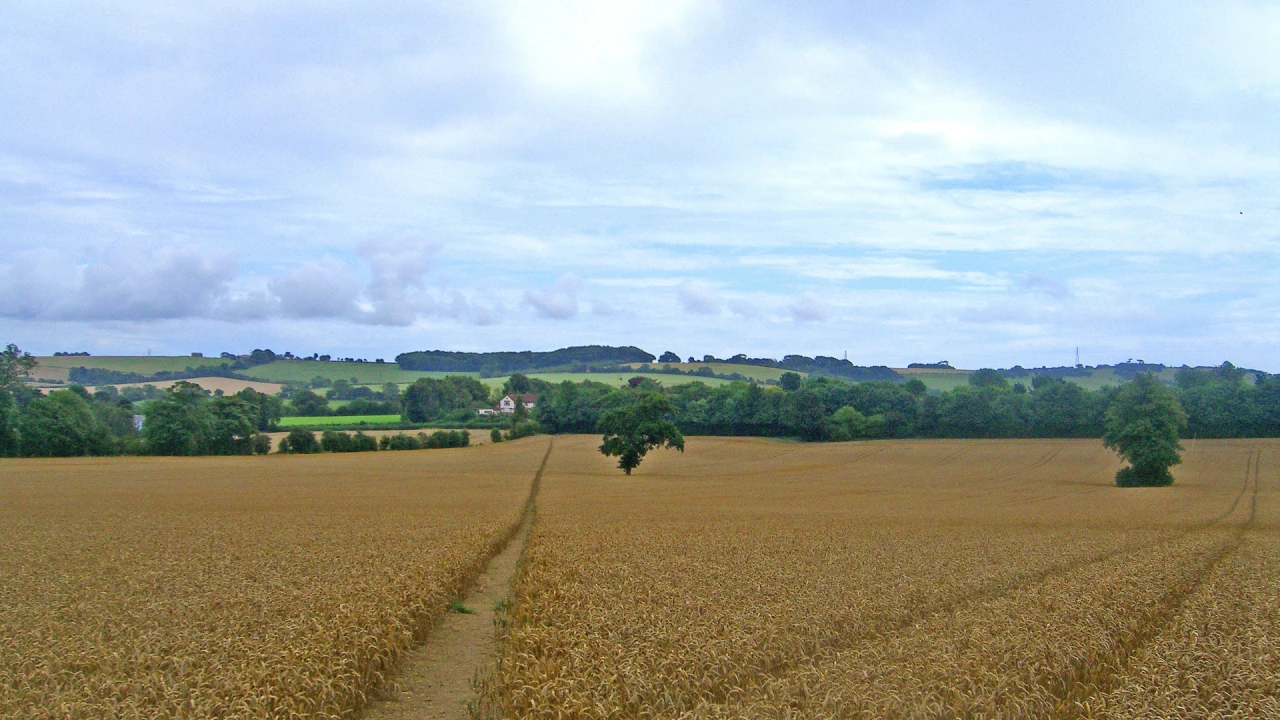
x=122 y=282
x=902 y=157
x=459 y=307
x=603 y=308
x=247 y=306
x=559 y=301
x=697 y=299
x=319 y=289
x=743 y=308
x=1042 y=285
x=809 y=308
x=398 y=268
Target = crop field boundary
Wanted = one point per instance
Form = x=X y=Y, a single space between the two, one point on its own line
x=1091 y=676
x=437 y=677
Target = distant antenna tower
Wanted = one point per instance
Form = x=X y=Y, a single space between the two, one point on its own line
x=846 y=356
x=1077 y=356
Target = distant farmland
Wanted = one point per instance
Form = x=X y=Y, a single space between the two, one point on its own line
x=378 y=374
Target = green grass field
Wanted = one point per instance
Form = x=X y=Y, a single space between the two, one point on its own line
x=749 y=371
x=145 y=365
x=295 y=421
x=615 y=379
x=302 y=371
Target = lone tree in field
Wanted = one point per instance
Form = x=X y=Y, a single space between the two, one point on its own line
x=1143 y=425
x=635 y=429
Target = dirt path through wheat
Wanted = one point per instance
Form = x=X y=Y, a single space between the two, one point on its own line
x=435 y=679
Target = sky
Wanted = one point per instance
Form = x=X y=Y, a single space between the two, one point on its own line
x=986 y=183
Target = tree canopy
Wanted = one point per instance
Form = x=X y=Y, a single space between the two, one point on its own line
x=633 y=430
x=1143 y=425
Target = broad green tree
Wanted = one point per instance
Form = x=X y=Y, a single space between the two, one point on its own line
x=232 y=422
x=309 y=404
x=179 y=423
x=633 y=430
x=1143 y=425
x=61 y=424
x=14 y=365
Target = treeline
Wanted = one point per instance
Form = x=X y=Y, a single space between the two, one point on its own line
x=504 y=363
x=819 y=366
x=1219 y=402
x=184 y=420
x=101 y=376
x=453 y=397
x=303 y=442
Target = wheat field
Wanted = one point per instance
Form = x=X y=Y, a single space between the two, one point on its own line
x=744 y=578
x=917 y=579
x=236 y=587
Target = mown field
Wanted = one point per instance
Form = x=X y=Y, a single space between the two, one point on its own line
x=763 y=579
x=249 y=587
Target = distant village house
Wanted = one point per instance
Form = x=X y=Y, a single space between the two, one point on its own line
x=508 y=404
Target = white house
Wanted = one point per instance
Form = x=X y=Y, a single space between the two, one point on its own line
x=508 y=402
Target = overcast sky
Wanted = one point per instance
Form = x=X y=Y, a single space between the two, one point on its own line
x=987 y=183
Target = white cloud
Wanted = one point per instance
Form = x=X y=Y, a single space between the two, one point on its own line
x=324 y=288
x=559 y=301
x=697 y=299
x=122 y=282
x=809 y=308
x=580 y=46
x=922 y=168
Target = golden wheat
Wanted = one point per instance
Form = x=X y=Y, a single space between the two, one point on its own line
x=236 y=587
x=893 y=579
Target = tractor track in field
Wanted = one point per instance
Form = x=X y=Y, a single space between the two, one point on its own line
x=436 y=680
x=1165 y=609
x=1097 y=676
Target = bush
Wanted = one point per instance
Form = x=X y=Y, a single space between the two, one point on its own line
x=260 y=443
x=399 y=442
x=333 y=441
x=300 y=442
x=363 y=443
x=495 y=435
x=522 y=428
x=448 y=439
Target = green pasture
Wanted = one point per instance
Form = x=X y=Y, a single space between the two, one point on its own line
x=294 y=421
x=941 y=382
x=748 y=371
x=302 y=371
x=144 y=365
x=614 y=379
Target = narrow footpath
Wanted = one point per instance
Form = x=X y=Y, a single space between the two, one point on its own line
x=435 y=679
